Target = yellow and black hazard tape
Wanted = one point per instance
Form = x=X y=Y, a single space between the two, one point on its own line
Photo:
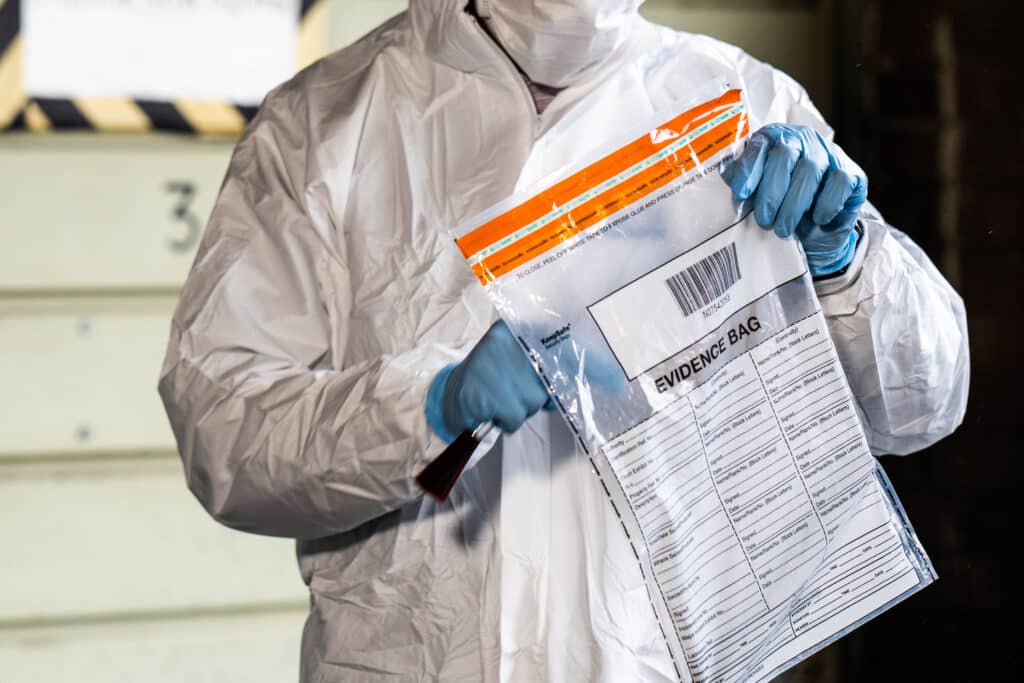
x=21 y=110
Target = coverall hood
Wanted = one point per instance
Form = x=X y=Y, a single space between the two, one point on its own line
x=557 y=41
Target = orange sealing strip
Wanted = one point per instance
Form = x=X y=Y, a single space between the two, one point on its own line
x=593 y=175
x=614 y=199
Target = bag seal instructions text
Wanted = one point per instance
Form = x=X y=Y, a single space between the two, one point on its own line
x=688 y=352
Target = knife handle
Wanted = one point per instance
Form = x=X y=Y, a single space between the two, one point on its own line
x=439 y=477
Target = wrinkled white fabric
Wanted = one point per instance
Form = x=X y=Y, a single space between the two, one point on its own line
x=556 y=42
x=327 y=293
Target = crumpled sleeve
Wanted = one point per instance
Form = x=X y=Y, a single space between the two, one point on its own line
x=899 y=328
x=901 y=333
x=277 y=434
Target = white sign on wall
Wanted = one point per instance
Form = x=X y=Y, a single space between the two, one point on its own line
x=234 y=50
x=199 y=66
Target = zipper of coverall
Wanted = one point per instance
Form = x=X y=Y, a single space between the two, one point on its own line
x=517 y=75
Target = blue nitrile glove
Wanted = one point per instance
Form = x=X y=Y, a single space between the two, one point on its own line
x=803 y=184
x=496 y=382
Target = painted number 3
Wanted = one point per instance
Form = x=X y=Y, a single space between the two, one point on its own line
x=185 y=192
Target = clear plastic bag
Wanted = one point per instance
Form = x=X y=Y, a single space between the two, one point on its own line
x=688 y=353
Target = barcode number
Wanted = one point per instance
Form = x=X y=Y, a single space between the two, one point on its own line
x=706 y=280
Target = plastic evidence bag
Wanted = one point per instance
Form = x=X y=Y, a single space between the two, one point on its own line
x=687 y=350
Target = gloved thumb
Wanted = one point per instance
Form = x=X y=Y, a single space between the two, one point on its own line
x=587 y=369
x=743 y=175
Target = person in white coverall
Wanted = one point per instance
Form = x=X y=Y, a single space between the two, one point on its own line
x=327 y=296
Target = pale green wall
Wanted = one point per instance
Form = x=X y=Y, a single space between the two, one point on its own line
x=109 y=570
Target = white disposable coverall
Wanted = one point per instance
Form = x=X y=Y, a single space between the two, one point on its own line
x=327 y=293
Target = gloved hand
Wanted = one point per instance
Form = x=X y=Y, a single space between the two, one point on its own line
x=804 y=184
x=495 y=382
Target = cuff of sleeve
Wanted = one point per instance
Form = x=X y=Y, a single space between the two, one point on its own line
x=835 y=261
x=844 y=277
x=435 y=402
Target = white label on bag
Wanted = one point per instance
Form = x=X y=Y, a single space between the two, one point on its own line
x=665 y=311
x=733 y=456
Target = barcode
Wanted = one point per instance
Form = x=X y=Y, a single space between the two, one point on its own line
x=706 y=280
